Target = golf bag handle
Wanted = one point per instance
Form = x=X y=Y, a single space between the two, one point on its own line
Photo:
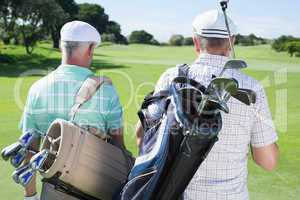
x=193 y=83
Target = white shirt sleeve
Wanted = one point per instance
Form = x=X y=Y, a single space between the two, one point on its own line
x=263 y=131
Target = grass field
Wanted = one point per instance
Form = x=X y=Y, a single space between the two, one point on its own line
x=134 y=69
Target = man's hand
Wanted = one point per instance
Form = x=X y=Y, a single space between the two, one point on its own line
x=117 y=136
x=266 y=157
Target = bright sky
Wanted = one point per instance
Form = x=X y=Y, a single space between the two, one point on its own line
x=162 y=18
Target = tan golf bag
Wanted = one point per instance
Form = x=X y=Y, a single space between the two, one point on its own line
x=81 y=164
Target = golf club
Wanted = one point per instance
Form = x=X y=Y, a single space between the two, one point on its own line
x=233 y=64
x=18 y=172
x=17 y=160
x=18 y=151
x=37 y=161
x=224 y=6
x=246 y=96
x=26 y=176
x=11 y=150
x=218 y=93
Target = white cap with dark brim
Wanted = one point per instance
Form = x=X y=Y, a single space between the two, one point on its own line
x=78 y=31
x=211 y=24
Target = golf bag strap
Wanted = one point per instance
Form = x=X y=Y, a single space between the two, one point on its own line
x=150 y=98
x=86 y=92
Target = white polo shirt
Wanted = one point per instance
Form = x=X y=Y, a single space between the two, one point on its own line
x=223 y=175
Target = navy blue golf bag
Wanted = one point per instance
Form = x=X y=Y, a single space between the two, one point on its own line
x=175 y=145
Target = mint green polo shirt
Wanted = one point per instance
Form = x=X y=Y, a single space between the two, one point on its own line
x=53 y=96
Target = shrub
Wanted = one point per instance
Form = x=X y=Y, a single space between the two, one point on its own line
x=188 y=41
x=176 y=40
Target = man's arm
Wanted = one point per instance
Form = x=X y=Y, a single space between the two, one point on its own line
x=266 y=157
x=265 y=151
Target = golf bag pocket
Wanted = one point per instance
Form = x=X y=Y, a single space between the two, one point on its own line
x=49 y=192
x=136 y=187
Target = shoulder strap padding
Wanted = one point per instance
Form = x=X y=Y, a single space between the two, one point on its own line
x=87 y=90
x=183 y=70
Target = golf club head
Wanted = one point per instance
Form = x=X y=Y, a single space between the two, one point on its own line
x=219 y=92
x=235 y=64
x=18 y=159
x=37 y=161
x=18 y=172
x=26 y=177
x=251 y=93
x=11 y=150
x=27 y=139
x=245 y=96
x=217 y=95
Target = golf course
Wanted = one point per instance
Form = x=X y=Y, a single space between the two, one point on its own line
x=134 y=70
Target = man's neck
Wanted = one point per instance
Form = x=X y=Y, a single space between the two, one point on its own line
x=75 y=62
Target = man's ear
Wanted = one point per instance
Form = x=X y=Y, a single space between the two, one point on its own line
x=91 y=50
x=197 y=45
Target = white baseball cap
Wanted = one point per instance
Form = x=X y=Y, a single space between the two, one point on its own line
x=212 y=24
x=78 y=31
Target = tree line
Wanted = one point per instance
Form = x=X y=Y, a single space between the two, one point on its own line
x=28 y=21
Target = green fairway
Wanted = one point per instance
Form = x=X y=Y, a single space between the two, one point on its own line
x=134 y=70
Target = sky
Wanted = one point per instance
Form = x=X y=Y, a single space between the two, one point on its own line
x=163 y=18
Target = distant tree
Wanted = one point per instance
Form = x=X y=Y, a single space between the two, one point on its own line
x=293 y=48
x=59 y=15
x=249 y=40
x=115 y=29
x=155 y=42
x=108 y=37
x=94 y=15
x=280 y=43
x=140 y=37
x=188 y=41
x=176 y=40
x=30 y=25
x=9 y=13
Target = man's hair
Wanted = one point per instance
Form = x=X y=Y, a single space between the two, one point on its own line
x=68 y=47
x=214 y=43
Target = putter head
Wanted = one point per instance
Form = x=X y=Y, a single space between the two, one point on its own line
x=38 y=160
x=18 y=159
x=26 y=177
x=219 y=92
x=18 y=172
x=235 y=64
x=11 y=150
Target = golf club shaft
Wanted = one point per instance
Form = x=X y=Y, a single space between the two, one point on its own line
x=224 y=7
